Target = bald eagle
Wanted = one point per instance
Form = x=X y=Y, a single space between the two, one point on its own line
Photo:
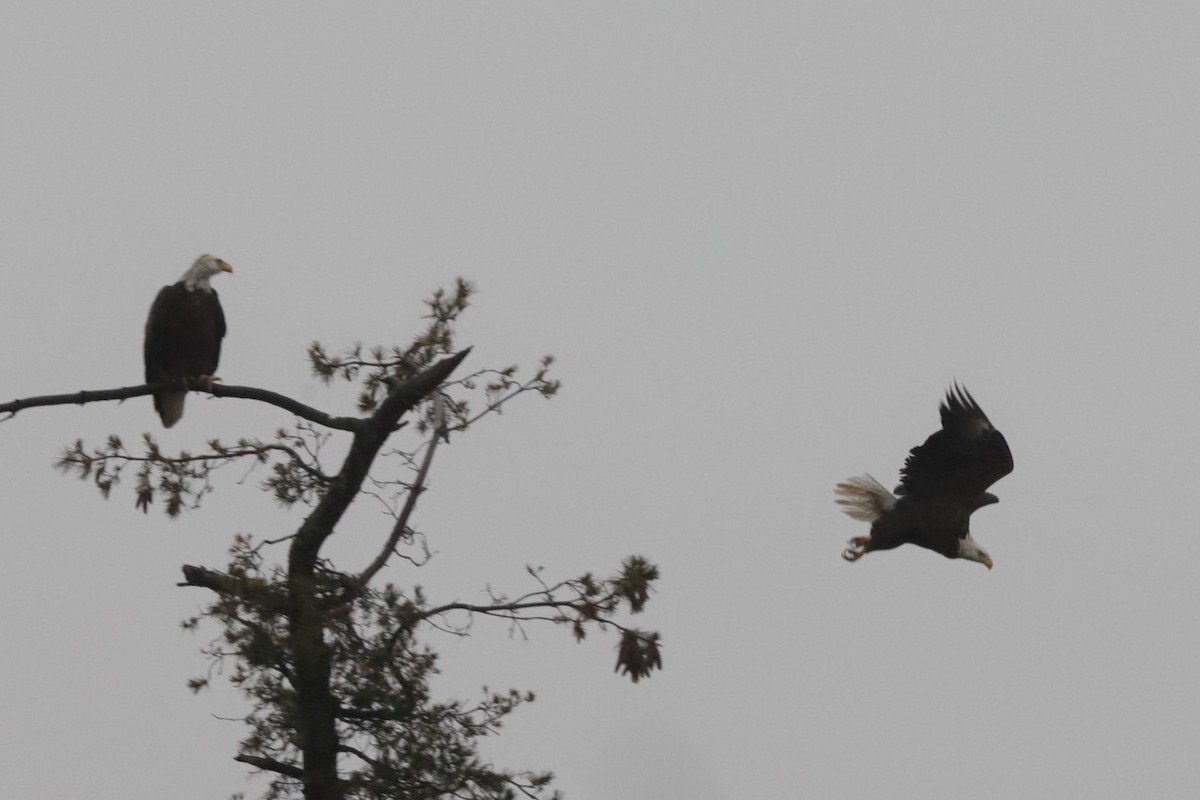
x=942 y=483
x=183 y=335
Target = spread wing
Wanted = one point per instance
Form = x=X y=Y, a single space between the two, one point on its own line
x=956 y=465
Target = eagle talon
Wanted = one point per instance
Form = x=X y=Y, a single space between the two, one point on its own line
x=204 y=382
x=857 y=548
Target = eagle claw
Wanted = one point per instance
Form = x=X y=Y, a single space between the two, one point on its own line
x=204 y=382
x=857 y=548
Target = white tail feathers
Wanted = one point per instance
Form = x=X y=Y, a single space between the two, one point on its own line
x=170 y=407
x=864 y=498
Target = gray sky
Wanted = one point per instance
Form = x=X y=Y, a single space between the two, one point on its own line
x=762 y=239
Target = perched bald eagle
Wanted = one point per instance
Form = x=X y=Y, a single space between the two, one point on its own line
x=183 y=335
x=943 y=482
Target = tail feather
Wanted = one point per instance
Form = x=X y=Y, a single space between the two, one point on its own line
x=864 y=498
x=169 y=406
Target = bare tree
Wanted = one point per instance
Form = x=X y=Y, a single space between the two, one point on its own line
x=334 y=663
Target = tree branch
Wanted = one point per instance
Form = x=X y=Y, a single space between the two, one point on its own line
x=287 y=404
x=222 y=454
x=271 y=765
x=368 y=440
x=217 y=390
x=367 y=714
x=497 y=609
x=354 y=751
x=410 y=502
x=250 y=590
x=78 y=398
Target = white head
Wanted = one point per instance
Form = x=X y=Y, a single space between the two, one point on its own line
x=969 y=550
x=202 y=270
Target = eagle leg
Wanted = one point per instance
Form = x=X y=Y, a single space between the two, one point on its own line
x=857 y=549
x=204 y=382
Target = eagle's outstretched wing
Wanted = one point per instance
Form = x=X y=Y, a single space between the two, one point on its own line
x=956 y=465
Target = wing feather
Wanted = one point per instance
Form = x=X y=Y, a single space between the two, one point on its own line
x=956 y=465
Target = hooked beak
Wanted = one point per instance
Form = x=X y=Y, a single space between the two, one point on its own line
x=987 y=561
x=224 y=265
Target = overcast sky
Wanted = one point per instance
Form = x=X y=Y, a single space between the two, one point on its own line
x=761 y=239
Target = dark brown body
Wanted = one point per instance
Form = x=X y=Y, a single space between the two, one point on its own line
x=183 y=342
x=932 y=526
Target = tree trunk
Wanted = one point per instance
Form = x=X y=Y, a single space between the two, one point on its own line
x=316 y=722
x=315 y=712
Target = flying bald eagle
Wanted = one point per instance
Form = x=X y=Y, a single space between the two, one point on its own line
x=183 y=335
x=942 y=483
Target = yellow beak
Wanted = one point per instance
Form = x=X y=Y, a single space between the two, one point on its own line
x=224 y=266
